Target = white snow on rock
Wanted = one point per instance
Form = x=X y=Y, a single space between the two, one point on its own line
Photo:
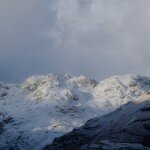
x=48 y=106
x=128 y=127
x=118 y=90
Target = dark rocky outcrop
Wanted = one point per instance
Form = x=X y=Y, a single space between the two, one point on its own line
x=129 y=124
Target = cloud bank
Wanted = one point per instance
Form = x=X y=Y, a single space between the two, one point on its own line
x=97 y=38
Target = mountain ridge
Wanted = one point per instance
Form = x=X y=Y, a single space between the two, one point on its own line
x=45 y=107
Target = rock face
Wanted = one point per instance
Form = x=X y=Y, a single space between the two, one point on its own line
x=3 y=121
x=129 y=124
x=48 y=106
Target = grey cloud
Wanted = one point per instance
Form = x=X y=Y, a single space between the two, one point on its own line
x=96 y=38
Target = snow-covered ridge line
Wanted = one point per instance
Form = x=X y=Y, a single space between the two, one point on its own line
x=48 y=106
x=118 y=90
x=41 y=85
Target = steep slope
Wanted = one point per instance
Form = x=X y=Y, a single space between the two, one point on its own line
x=45 y=107
x=126 y=128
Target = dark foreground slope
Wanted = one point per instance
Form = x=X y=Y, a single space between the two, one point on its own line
x=128 y=127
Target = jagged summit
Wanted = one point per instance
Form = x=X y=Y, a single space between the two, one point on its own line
x=58 y=80
x=47 y=106
x=42 y=86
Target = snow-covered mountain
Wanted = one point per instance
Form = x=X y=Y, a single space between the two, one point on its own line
x=118 y=90
x=45 y=107
x=126 y=128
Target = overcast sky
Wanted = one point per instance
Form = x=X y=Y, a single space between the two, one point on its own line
x=96 y=38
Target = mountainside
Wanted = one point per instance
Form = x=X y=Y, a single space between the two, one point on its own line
x=127 y=127
x=45 y=107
